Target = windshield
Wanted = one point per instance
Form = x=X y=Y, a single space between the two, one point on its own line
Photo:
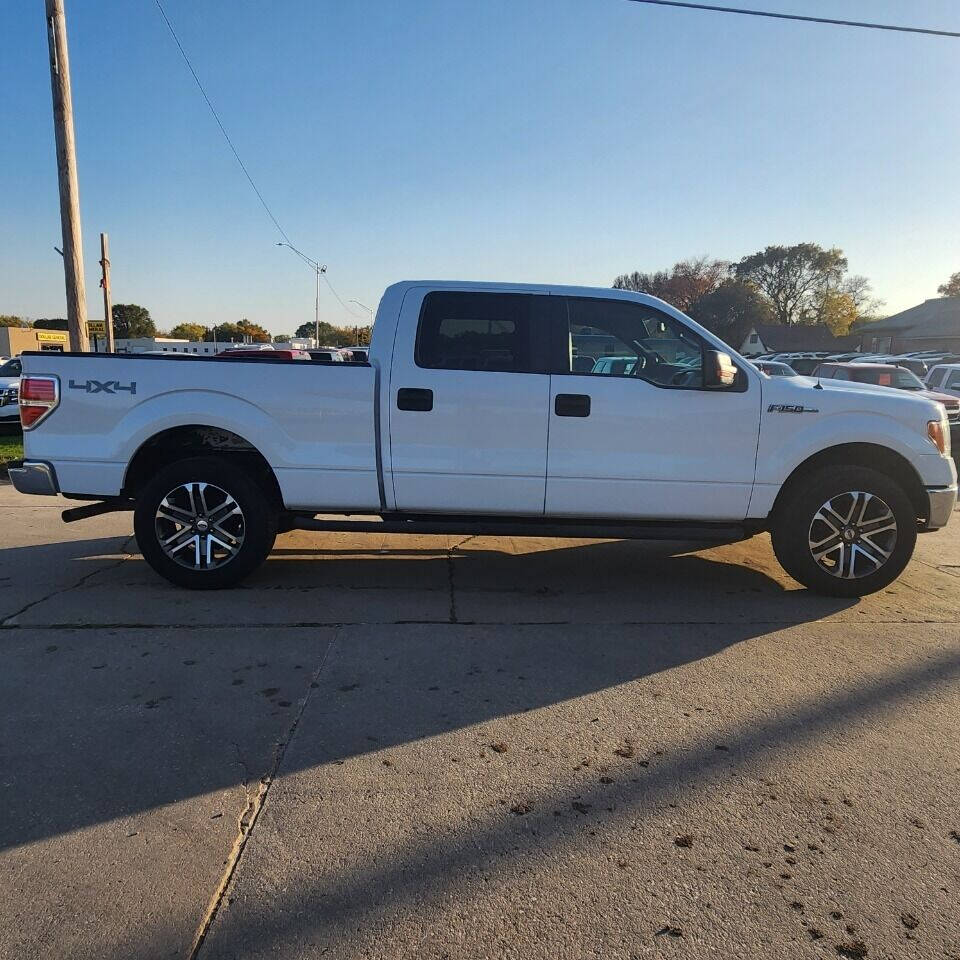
x=896 y=377
x=10 y=369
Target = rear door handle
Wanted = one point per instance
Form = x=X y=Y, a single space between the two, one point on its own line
x=571 y=405
x=414 y=398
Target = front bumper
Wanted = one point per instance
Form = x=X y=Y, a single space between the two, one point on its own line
x=36 y=478
x=942 y=502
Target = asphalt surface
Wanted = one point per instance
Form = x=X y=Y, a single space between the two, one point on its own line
x=461 y=748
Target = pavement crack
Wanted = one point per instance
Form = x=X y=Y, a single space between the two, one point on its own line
x=254 y=806
x=8 y=621
x=451 y=587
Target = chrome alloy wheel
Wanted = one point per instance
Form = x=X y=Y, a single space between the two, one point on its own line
x=200 y=526
x=852 y=535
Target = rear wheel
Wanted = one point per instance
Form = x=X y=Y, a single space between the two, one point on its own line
x=845 y=531
x=205 y=523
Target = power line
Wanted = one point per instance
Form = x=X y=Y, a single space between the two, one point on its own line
x=796 y=16
x=321 y=269
x=216 y=117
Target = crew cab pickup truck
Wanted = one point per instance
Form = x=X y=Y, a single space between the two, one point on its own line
x=474 y=414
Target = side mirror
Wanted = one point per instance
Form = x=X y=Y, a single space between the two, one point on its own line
x=719 y=370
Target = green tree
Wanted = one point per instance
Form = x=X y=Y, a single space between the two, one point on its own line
x=189 y=331
x=794 y=279
x=7 y=320
x=732 y=309
x=131 y=321
x=227 y=332
x=282 y=337
x=682 y=285
x=951 y=288
x=50 y=323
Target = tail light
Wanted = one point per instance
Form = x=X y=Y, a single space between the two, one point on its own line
x=39 y=397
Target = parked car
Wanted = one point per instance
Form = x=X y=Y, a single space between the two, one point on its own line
x=255 y=354
x=326 y=356
x=772 y=368
x=10 y=390
x=899 y=378
x=471 y=419
x=803 y=365
x=945 y=377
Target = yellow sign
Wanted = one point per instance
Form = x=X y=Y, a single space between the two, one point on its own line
x=51 y=336
x=97 y=328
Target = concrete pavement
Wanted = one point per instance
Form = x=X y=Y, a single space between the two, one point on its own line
x=430 y=747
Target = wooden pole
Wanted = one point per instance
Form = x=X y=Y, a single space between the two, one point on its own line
x=67 y=173
x=107 y=295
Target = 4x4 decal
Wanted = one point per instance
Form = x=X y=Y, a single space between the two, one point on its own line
x=104 y=386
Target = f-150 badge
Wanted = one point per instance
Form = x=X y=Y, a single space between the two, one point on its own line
x=790 y=408
x=104 y=386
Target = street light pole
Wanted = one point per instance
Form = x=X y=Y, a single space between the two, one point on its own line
x=318 y=268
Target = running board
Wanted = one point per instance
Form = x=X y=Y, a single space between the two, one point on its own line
x=535 y=527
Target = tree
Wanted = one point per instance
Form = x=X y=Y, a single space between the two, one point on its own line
x=50 y=323
x=837 y=311
x=794 y=279
x=226 y=332
x=6 y=320
x=131 y=321
x=951 y=288
x=732 y=309
x=682 y=286
x=282 y=337
x=189 y=331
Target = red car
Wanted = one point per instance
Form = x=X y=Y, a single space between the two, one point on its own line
x=888 y=375
x=267 y=354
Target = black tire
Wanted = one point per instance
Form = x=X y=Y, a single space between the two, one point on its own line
x=247 y=537
x=798 y=524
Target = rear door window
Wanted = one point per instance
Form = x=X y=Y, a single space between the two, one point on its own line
x=494 y=332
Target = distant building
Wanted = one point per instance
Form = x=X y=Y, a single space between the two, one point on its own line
x=14 y=340
x=932 y=325
x=794 y=338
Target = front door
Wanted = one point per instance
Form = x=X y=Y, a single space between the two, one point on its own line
x=469 y=395
x=639 y=436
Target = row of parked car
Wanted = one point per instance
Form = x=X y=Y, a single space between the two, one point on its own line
x=321 y=354
x=941 y=375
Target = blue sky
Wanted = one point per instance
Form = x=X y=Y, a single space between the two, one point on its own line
x=534 y=140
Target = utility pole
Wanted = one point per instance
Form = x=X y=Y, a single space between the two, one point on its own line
x=107 y=295
x=67 y=173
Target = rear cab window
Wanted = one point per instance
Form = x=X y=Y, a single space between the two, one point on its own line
x=492 y=332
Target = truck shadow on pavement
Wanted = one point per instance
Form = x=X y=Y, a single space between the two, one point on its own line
x=111 y=721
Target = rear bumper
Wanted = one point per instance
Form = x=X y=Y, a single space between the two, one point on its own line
x=33 y=477
x=942 y=502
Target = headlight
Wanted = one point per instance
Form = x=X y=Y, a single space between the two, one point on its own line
x=939 y=433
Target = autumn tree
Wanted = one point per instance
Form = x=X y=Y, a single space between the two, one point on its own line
x=951 y=288
x=189 y=331
x=7 y=320
x=131 y=321
x=732 y=310
x=685 y=283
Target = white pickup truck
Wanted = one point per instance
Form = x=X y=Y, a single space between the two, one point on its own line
x=483 y=409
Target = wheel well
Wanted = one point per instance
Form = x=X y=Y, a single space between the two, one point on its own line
x=871 y=455
x=179 y=443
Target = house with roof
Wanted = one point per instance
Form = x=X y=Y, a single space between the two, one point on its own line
x=794 y=338
x=931 y=325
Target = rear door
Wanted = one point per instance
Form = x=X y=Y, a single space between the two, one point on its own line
x=648 y=441
x=469 y=396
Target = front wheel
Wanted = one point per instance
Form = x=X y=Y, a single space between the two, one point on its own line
x=205 y=523
x=845 y=531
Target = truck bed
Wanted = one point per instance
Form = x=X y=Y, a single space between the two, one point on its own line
x=314 y=422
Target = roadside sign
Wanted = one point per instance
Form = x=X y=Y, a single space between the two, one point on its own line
x=50 y=336
x=97 y=328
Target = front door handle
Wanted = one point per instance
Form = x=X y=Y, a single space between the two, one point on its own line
x=414 y=398
x=571 y=405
